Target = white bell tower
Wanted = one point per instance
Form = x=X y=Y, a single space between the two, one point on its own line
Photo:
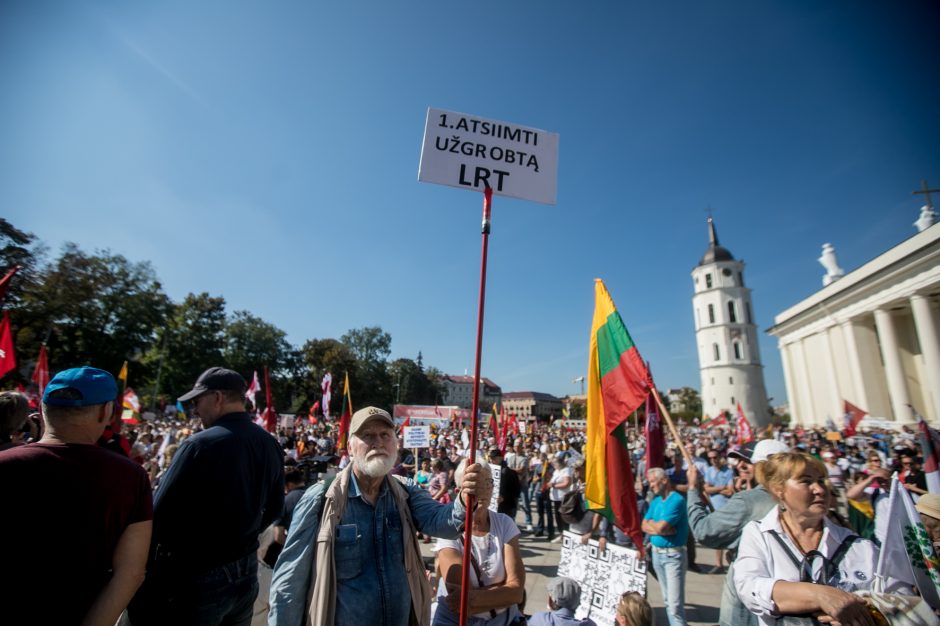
x=728 y=355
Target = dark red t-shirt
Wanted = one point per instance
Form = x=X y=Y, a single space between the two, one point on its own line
x=64 y=509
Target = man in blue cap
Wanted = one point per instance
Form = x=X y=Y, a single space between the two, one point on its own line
x=77 y=517
x=224 y=486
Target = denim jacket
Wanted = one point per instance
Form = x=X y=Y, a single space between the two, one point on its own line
x=371 y=584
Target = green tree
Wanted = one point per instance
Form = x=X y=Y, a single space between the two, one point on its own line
x=410 y=384
x=320 y=356
x=251 y=344
x=371 y=346
x=191 y=342
x=98 y=309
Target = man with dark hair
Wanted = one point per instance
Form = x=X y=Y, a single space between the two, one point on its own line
x=86 y=512
x=509 y=487
x=14 y=411
x=224 y=486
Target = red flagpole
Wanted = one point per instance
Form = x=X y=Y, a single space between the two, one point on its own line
x=471 y=458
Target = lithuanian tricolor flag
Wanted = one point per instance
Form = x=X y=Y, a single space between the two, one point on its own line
x=618 y=382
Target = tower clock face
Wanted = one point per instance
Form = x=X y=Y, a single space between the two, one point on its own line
x=726 y=272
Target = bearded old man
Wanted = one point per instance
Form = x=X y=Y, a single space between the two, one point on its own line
x=352 y=556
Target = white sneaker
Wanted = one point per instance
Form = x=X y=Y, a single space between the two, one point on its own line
x=557 y=539
x=529 y=528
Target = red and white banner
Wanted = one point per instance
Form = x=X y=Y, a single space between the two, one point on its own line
x=745 y=432
x=253 y=390
x=7 y=356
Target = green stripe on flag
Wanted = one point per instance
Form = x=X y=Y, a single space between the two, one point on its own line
x=612 y=341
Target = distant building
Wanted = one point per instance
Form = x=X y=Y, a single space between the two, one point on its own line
x=728 y=355
x=870 y=336
x=676 y=405
x=458 y=391
x=532 y=405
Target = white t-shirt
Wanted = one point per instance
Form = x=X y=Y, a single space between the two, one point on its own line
x=488 y=551
x=558 y=493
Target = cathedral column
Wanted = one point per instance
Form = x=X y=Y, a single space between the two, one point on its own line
x=926 y=326
x=788 y=374
x=835 y=397
x=897 y=387
x=807 y=407
x=860 y=396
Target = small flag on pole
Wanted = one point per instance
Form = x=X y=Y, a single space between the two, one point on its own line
x=7 y=355
x=326 y=385
x=745 y=432
x=853 y=415
x=345 y=415
x=253 y=390
x=41 y=373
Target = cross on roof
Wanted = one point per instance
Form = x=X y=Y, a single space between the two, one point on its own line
x=924 y=189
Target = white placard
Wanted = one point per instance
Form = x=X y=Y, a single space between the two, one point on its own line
x=603 y=576
x=497 y=472
x=416 y=436
x=470 y=152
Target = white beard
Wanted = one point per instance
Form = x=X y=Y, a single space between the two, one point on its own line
x=376 y=467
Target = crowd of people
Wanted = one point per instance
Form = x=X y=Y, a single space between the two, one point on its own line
x=212 y=520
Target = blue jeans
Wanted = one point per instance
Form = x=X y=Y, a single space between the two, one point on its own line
x=670 y=570
x=223 y=596
x=525 y=498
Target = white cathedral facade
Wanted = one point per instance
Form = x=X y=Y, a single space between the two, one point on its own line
x=729 y=358
x=870 y=336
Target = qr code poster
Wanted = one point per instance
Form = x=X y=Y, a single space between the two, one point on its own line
x=603 y=576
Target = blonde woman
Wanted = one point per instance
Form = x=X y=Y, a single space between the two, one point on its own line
x=795 y=561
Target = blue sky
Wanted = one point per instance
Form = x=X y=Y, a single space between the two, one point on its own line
x=268 y=152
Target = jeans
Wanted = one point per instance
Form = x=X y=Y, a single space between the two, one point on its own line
x=546 y=515
x=223 y=596
x=670 y=570
x=525 y=499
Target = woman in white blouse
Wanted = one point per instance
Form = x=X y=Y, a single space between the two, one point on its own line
x=497 y=574
x=795 y=561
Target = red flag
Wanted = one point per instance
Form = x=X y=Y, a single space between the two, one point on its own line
x=312 y=415
x=253 y=389
x=5 y=282
x=405 y=424
x=502 y=436
x=270 y=416
x=345 y=415
x=515 y=424
x=41 y=373
x=7 y=356
x=928 y=448
x=655 y=439
x=745 y=432
x=853 y=415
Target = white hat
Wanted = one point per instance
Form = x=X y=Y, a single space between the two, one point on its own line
x=766 y=448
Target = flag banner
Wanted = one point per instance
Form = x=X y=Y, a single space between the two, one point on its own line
x=131 y=401
x=270 y=416
x=253 y=390
x=122 y=375
x=180 y=410
x=907 y=553
x=853 y=415
x=7 y=355
x=326 y=386
x=655 y=438
x=345 y=415
x=312 y=414
x=745 y=432
x=5 y=282
x=618 y=383
x=929 y=450
x=41 y=373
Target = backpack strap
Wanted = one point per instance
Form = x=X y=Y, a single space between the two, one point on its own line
x=786 y=548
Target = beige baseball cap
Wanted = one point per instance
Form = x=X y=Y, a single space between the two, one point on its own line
x=363 y=416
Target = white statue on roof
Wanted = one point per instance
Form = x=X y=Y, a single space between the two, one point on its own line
x=828 y=261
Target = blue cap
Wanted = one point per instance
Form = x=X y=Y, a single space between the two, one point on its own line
x=94 y=385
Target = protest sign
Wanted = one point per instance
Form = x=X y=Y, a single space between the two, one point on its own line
x=469 y=152
x=603 y=576
x=417 y=436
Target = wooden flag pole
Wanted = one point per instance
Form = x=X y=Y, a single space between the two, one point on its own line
x=678 y=441
x=474 y=410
